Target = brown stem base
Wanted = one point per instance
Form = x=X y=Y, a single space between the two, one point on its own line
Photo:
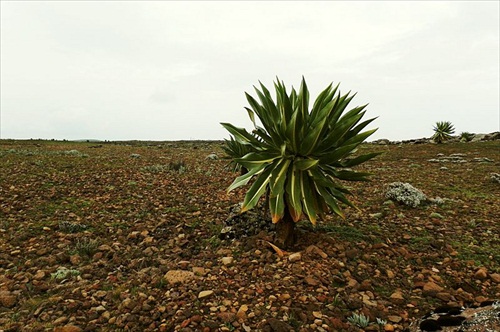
x=285 y=232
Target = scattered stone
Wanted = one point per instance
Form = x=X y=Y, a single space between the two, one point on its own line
x=60 y=320
x=68 y=328
x=227 y=260
x=397 y=297
x=482 y=160
x=75 y=259
x=430 y=288
x=212 y=156
x=485 y=317
x=394 y=319
x=495 y=177
x=204 y=294
x=495 y=277
x=311 y=281
x=242 y=312
x=481 y=274
x=198 y=270
x=39 y=275
x=314 y=249
x=296 y=256
x=279 y=326
x=227 y=317
x=178 y=276
x=389 y=328
x=7 y=299
x=317 y=314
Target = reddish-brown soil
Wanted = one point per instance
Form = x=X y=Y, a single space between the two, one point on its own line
x=119 y=217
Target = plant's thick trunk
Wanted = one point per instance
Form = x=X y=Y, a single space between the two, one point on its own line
x=285 y=231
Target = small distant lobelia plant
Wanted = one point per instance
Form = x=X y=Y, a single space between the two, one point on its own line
x=299 y=154
x=443 y=131
x=466 y=136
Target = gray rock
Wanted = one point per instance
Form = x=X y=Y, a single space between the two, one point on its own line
x=485 y=317
x=495 y=177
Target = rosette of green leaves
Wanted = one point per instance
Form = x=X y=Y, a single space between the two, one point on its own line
x=443 y=131
x=300 y=154
x=234 y=151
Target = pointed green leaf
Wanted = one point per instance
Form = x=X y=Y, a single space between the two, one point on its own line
x=293 y=196
x=245 y=178
x=240 y=134
x=330 y=201
x=361 y=159
x=278 y=177
x=305 y=164
x=277 y=207
x=309 y=198
x=257 y=189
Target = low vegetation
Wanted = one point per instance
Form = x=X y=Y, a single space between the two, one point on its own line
x=93 y=241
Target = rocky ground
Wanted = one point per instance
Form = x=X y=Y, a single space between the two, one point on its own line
x=127 y=237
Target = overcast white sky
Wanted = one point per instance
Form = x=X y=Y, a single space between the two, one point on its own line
x=175 y=70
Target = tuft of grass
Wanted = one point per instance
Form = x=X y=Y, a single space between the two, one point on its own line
x=85 y=247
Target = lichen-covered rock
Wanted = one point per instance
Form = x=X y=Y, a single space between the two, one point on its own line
x=485 y=317
x=405 y=193
x=495 y=177
x=212 y=156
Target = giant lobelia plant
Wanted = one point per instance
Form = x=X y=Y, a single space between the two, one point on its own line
x=443 y=131
x=299 y=154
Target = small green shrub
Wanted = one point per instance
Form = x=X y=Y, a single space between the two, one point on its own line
x=360 y=320
x=178 y=166
x=63 y=273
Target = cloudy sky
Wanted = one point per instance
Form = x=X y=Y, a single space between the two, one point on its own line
x=175 y=70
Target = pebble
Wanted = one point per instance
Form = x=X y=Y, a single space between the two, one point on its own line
x=495 y=277
x=178 y=276
x=295 y=257
x=431 y=288
x=397 y=297
x=7 y=299
x=241 y=314
x=68 y=328
x=227 y=260
x=60 y=320
x=205 y=293
x=481 y=274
